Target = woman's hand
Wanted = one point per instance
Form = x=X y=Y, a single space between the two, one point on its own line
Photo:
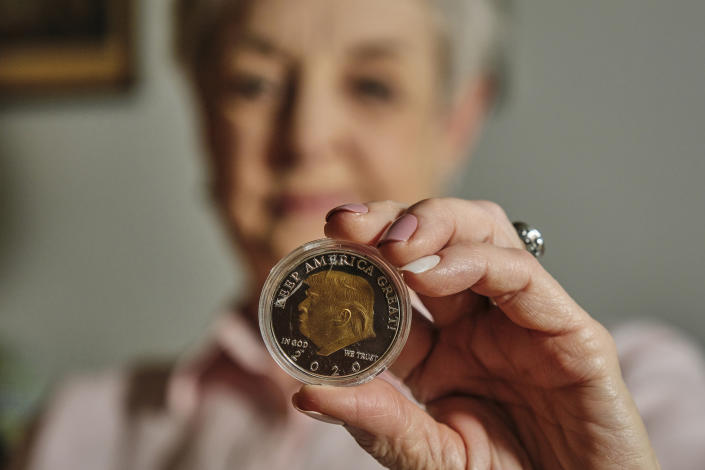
x=529 y=382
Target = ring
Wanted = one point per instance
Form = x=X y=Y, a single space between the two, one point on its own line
x=532 y=238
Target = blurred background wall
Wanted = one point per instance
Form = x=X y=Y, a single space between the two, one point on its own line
x=109 y=252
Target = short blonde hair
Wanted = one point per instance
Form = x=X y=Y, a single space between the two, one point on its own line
x=473 y=39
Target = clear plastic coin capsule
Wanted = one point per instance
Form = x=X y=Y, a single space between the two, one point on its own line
x=334 y=312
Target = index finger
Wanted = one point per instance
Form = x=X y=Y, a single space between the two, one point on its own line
x=443 y=222
x=362 y=223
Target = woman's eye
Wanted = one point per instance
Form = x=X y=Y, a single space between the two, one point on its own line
x=251 y=87
x=372 y=88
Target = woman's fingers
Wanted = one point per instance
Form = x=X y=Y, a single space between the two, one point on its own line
x=442 y=222
x=478 y=249
x=427 y=226
x=459 y=433
x=512 y=277
x=362 y=223
x=386 y=424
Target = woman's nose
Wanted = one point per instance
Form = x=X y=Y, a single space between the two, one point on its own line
x=312 y=121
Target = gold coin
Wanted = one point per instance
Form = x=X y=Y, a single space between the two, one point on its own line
x=334 y=312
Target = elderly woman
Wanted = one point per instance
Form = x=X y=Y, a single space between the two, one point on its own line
x=310 y=105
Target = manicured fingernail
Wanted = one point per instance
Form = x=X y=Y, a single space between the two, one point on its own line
x=319 y=416
x=401 y=230
x=422 y=265
x=356 y=208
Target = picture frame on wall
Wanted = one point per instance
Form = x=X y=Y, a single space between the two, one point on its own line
x=49 y=46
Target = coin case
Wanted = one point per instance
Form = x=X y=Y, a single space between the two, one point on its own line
x=334 y=312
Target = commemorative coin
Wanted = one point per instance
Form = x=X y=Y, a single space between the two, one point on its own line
x=334 y=312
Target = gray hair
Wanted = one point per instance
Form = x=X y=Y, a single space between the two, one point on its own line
x=474 y=40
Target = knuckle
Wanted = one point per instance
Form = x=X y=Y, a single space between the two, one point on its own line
x=428 y=204
x=603 y=342
x=525 y=258
x=493 y=209
x=580 y=356
x=436 y=207
x=597 y=350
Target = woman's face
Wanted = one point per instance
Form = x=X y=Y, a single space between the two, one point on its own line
x=317 y=103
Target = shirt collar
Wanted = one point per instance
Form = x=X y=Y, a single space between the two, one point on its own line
x=230 y=342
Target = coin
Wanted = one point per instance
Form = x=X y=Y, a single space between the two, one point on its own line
x=334 y=312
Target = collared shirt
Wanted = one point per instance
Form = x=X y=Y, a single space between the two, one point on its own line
x=227 y=407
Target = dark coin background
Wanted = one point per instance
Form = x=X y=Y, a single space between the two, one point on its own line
x=285 y=325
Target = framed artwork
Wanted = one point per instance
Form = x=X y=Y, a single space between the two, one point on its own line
x=65 y=45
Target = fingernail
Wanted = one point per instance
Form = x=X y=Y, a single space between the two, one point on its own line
x=422 y=265
x=319 y=416
x=355 y=208
x=401 y=230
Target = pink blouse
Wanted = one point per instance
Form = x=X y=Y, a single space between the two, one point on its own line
x=227 y=407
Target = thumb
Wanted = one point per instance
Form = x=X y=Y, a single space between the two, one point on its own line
x=386 y=424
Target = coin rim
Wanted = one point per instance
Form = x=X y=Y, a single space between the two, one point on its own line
x=281 y=270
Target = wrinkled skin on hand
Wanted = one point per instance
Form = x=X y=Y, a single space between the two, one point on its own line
x=526 y=380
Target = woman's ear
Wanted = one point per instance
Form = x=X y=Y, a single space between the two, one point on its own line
x=465 y=118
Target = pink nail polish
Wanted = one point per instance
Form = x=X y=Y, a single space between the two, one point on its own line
x=355 y=208
x=401 y=230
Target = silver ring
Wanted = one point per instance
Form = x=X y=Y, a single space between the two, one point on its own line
x=532 y=238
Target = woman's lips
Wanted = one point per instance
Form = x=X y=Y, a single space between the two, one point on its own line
x=311 y=204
